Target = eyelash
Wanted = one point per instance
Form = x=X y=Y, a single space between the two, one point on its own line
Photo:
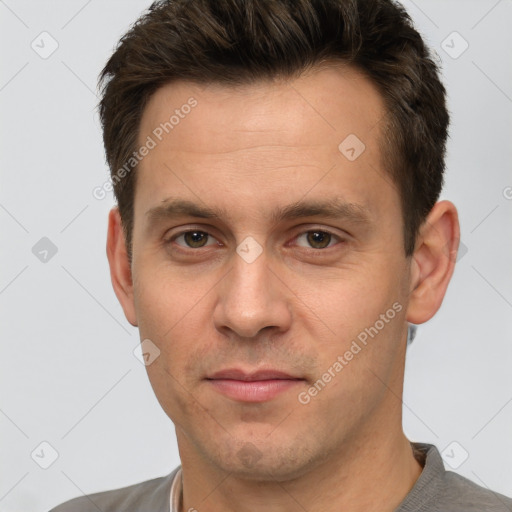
x=191 y=249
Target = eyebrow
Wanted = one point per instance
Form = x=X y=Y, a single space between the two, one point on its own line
x=332 y=209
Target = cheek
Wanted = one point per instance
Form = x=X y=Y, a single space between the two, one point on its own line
x=349 y=304
x=361 y=359
x=365 y=316
x=172 y=315
x=167 y=303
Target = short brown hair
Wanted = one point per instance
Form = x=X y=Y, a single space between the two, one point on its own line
x=235 y=42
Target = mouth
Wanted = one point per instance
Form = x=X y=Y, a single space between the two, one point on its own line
x=258 y=386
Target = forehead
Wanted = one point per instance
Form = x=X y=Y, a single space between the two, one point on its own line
x=267 y=142
x=330 y=99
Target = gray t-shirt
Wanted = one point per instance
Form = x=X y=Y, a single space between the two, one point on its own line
x=436 y=490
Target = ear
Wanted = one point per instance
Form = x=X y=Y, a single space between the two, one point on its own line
x=433 y=262
x=120 y=270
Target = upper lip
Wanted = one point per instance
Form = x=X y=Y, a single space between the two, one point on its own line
x=237 y=374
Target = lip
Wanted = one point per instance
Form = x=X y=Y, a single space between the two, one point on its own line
x=258 y=386
x=263 y=374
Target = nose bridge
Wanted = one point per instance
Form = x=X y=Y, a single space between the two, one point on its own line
x=249 y=298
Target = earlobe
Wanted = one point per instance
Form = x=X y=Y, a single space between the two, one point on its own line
x=120 y=269
x=433 y=262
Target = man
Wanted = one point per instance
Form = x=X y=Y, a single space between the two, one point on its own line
x=277 y=166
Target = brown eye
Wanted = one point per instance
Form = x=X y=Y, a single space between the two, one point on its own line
x=316 y=239
x=319 y=239
x=194 y=239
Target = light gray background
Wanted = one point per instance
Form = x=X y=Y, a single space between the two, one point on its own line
x=69 y=375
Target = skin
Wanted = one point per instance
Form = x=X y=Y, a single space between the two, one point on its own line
x=297 y=307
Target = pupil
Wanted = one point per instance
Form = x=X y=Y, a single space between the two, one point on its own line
x=195 y=238
x=319 y=238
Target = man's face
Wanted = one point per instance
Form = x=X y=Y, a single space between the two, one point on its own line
x=266 y=284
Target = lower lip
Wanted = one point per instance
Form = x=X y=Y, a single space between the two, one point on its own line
x=253 y=391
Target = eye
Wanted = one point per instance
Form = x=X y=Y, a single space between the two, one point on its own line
x=194 y=239
x=317 y=239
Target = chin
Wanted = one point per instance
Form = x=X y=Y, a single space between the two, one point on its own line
x=265 y=461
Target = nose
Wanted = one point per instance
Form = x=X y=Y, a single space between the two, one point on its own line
x=252 y=298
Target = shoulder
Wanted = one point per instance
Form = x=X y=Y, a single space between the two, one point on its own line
x=439 y=490
x=148 y=495
x=470 y=496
